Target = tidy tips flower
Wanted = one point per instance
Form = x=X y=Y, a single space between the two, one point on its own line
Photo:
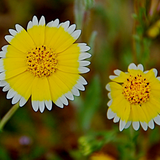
x=134 y=98
x=44 y=63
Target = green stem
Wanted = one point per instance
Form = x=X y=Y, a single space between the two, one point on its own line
x=133 y=144
x=8 y=116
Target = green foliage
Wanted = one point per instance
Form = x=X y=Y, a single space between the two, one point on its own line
x=94 y=141
x=91 y=103
x=89 y=4
x=4 y=154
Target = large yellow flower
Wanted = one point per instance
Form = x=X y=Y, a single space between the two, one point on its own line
x=134 y=98
x=43 y=63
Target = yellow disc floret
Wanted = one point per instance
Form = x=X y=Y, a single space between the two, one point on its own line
x=41 y=61
x=136 y=89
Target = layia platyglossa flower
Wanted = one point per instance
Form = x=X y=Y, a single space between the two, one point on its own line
x=134 y=98
x=44 y=63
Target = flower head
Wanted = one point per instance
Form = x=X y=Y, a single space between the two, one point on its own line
x=44 y=63
x=134 y=98
x=101 y=156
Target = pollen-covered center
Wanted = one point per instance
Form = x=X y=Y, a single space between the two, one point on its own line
x=42 y=61
x=136 y=89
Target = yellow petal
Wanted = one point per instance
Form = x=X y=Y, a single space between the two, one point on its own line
x=37 y=32
x=149 y=111
x=68 y=78
x=41 y=89
x=61 y=40
x=11 y=73
x=123 y=110
x=121 y=78
x=137 y=114
x=14 y=63
x=22 y=41
x=155 y=103
x=12 y=52
x=22 y=84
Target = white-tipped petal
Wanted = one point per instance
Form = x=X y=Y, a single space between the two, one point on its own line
x=157 y=119
x=151 y=124
x=35 y=105
x=4 y=48
x=75 y=91
x=2 y=76
x=84 y=63
x=1 y=62
x=42 y=21
x=158 y=78
x=112 y=77
x=71 y=28
x=35 y=21
x=132 y=66
x=83 y=56
x=12 y=32
x=18 y=28
x=2 y=54
x=3 y=83
x=109 y=102
x=50 y=24
x=116 y=119
x=110 y=114
x=69 y=95
x=144 y=125
x=82 y=44
x=1 y=65
x=109 y=95
x=16 y=98
x=22 y=102
x=76 y=34
x=6 y=88
x=122 y=125
x=127 y=124
x=83 y=48
x=1 y=68
x=59 y=103
x=145 y=72
x=83 y=69
x=108 y=87
x=48 y=104
x=155 y=72
x=10 y=93
x=30 y=25
x=41 y=106
x=140 y=66
x=82 y=80
x=64 y=100
x=65 y=25
x=8 y=38
x=55 y=23
x=117 y=72
x=80 y=86
x=135 y=125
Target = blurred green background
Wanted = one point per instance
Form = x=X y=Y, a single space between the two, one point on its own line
x=119 y=32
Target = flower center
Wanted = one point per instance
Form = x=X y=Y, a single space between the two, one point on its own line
x=42 y=61
x=136 y=89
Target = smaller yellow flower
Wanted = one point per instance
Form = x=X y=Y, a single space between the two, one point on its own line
x=101 y=156
x=134 y=98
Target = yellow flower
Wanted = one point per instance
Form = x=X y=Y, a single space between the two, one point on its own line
x=43 y=63
x=134 y=98
x=101 y=156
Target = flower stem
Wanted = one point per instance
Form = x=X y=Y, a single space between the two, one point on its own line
x=8 y=116
x=133 y=144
